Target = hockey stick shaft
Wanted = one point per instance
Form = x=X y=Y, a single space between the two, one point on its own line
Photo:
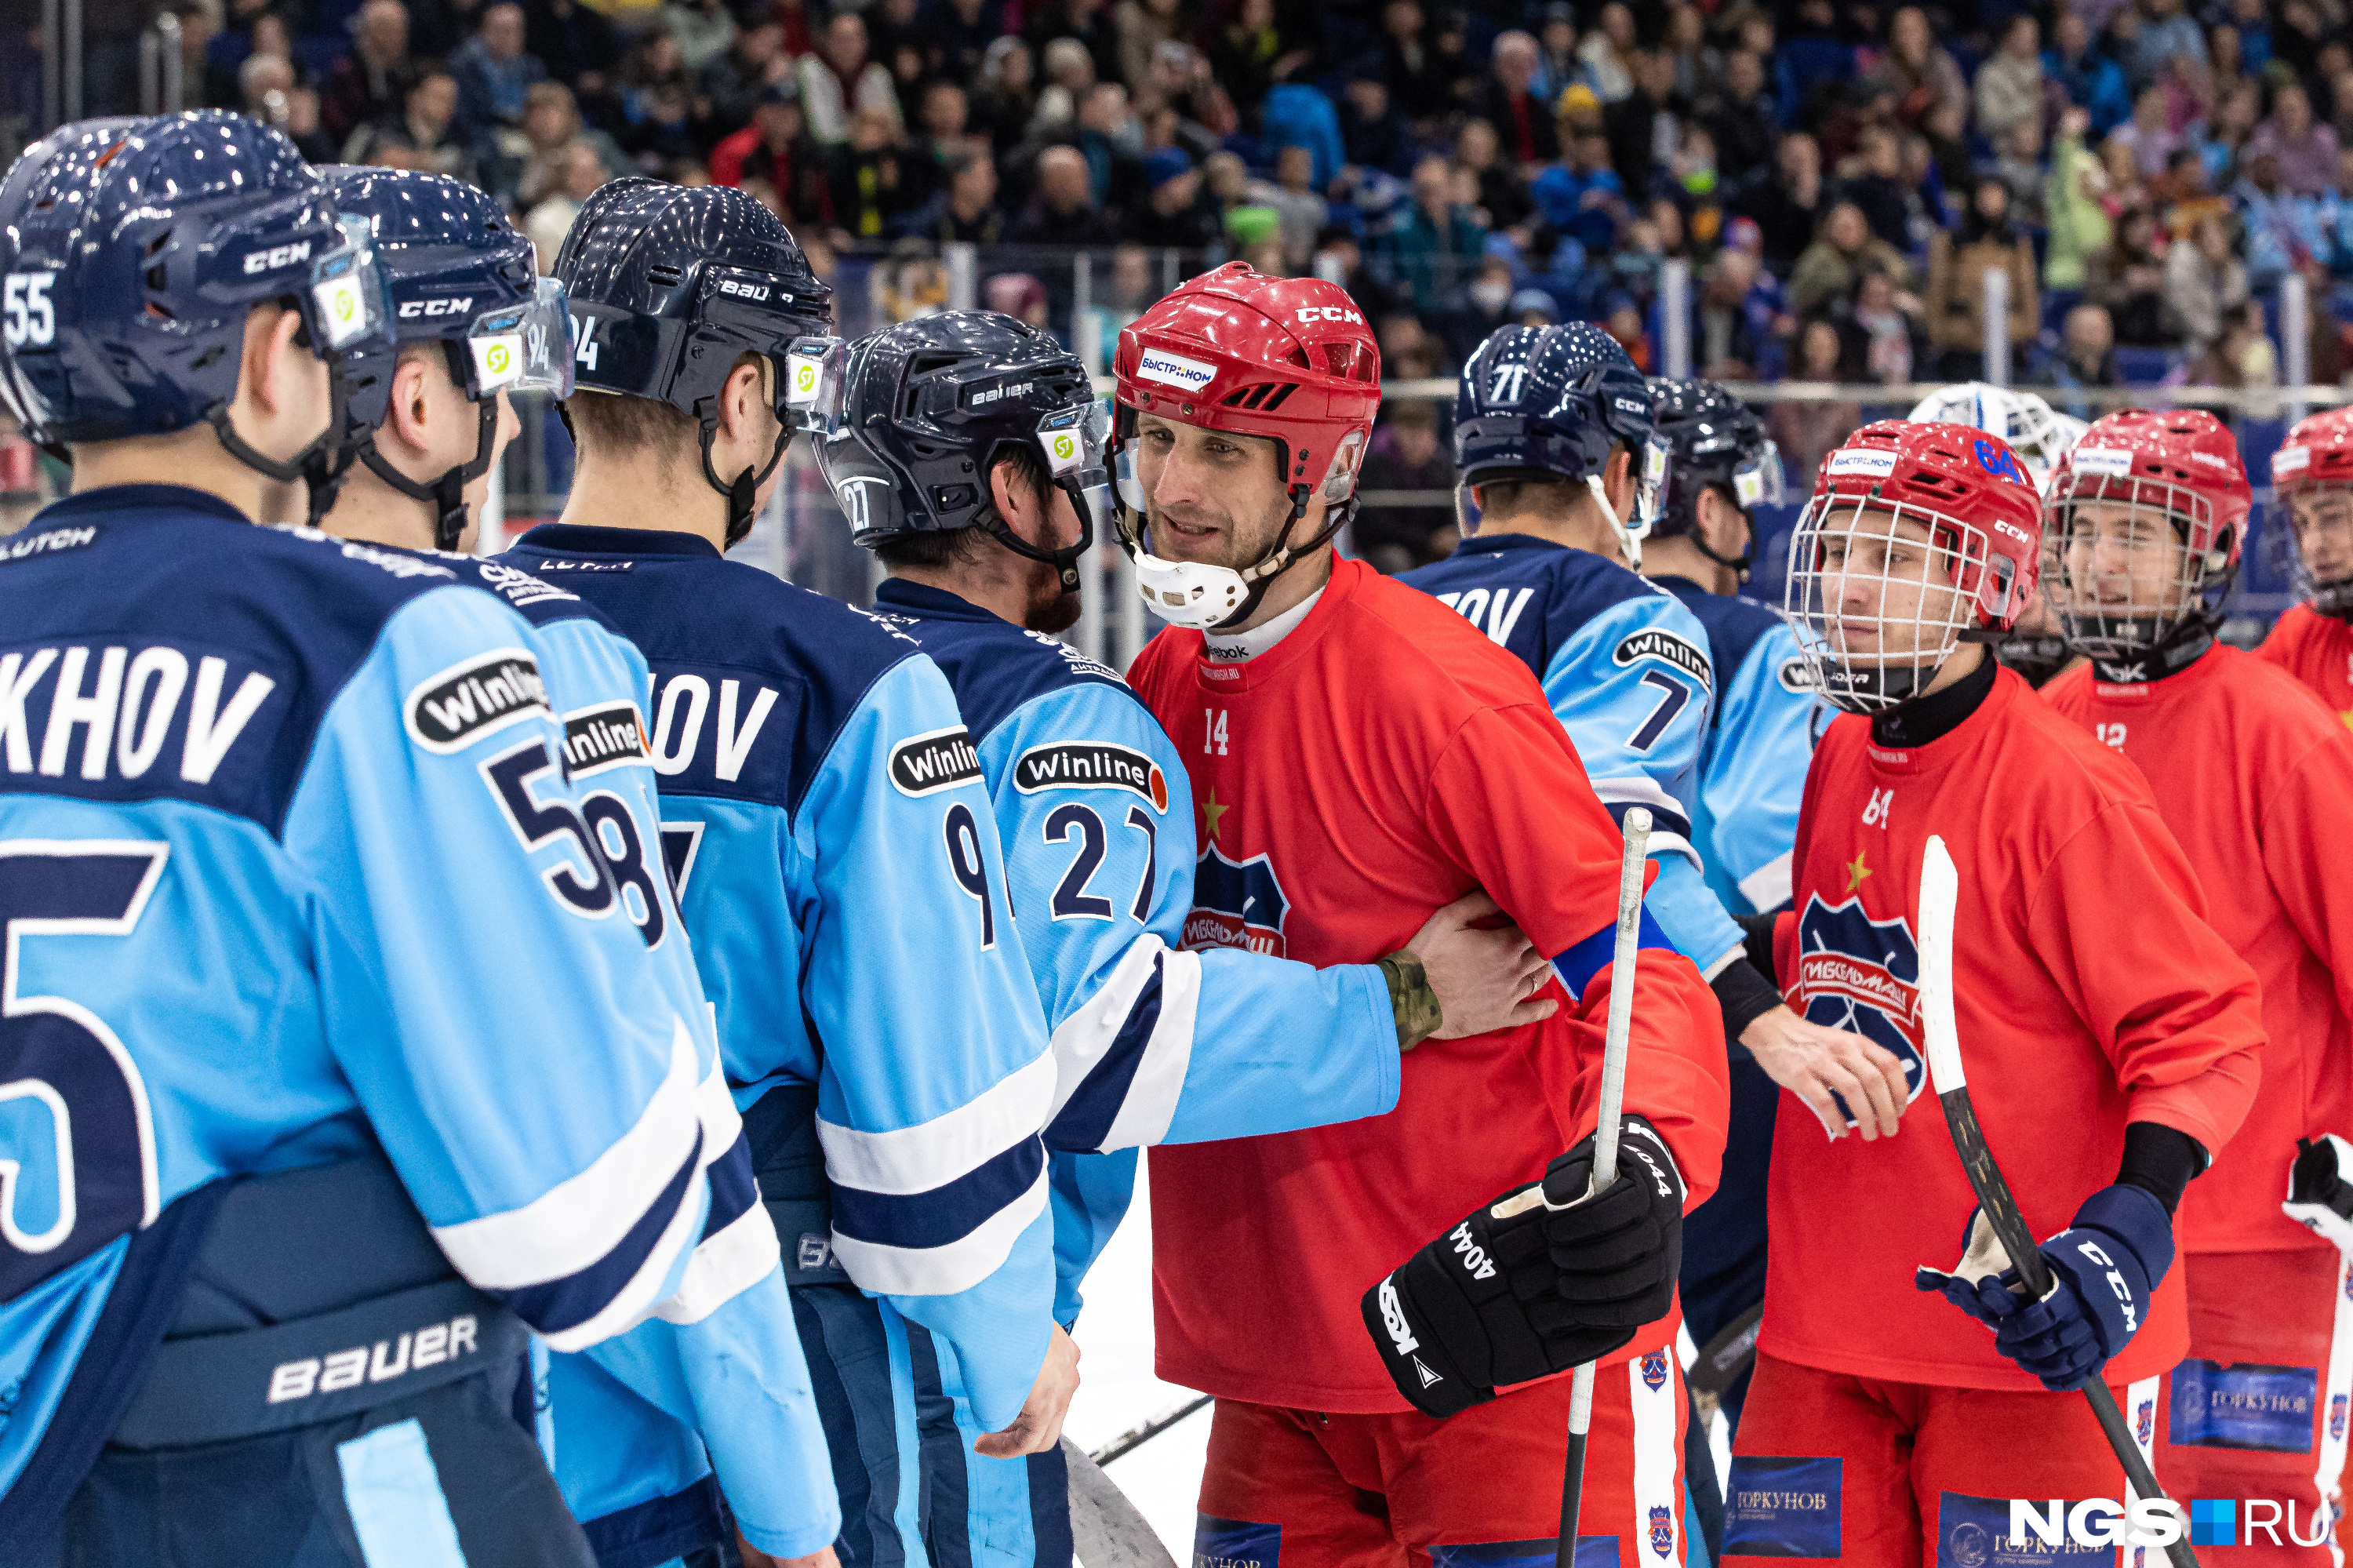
x=1940 y=896
x=1637 y=831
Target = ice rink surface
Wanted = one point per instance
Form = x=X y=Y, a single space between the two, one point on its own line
x=1117 y=1390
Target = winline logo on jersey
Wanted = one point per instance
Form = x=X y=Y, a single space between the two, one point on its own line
x=2039 y=1527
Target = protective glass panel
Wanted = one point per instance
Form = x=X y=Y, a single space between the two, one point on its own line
x=348 y=293
x=816 y=380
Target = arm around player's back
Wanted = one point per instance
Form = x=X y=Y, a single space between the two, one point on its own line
x=1755 y=775
x=539 y=1102
x=936 y=1076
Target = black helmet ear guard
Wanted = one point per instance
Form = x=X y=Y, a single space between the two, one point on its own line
x=668 y=287
x=917 y=415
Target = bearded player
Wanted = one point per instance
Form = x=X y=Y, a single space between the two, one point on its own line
x=2112 y=1037
x=1361 y=756
x=2313 y=473
x=2144 y=525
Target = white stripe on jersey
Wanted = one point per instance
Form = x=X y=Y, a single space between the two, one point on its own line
x=911 y=1159
x=960 y=1265
x=1087 y=1035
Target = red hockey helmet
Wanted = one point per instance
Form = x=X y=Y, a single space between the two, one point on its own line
x=2312 y=474
x=1289 y=359
x=1919 y=537
x=2116 y=600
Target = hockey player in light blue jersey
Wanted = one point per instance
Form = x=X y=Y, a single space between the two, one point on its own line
x=831 y=844
x=330 y=1073
x=1152 y=1044
x=475 y=323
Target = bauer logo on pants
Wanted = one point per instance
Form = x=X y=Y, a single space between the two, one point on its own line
x=1236 y=903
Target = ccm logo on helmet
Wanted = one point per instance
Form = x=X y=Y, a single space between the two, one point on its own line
x=1308 y=313
x=412 y=309
x=277 y=256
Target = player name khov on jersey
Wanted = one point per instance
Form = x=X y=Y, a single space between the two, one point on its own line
x=127 y=707
x=1090 y=765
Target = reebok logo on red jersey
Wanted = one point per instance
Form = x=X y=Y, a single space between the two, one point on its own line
x=1236 y=903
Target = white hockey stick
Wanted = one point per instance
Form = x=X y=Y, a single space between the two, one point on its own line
x=1605 y=1147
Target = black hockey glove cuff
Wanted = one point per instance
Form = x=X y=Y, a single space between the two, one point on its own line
x=1744 y=995
x=1520 y=1290
x=2319 y=1195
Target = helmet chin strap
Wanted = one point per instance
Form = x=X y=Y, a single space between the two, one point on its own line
x=1627 y=538
x=1260 y=574
x=321 y=465
x=446 y=494
x=1065 y=561
x=741 y=495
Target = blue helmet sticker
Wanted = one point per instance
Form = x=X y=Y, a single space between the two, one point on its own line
x=1999 y=462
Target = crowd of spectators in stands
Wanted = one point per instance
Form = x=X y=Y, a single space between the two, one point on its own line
x=1839 y=176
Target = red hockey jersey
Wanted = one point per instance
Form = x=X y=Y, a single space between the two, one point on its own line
x=1379 y=761
x=2090 y=992
x=2318 y=649
x=2255 y=778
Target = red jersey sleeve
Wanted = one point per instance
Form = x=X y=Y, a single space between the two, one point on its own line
x=2175 y=1008
x=1509 y=800
x=2304 y=858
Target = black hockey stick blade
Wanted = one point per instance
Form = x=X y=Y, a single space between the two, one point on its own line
x=1940 y=1033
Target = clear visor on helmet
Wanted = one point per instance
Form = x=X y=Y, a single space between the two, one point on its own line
x=2118 y=568
x=1881 y=592
x=348 y=293
x=1758 y=481
x=1075 y=442
x=1651 y=467
x=526 y=347
x=817 y=382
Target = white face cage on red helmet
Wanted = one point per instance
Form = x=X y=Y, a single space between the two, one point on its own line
x=2142 y=526
x=1919 y=537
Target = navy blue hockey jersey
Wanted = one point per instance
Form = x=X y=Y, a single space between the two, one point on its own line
x=1152 y=1044
x=1627 y=672
x=1759 y=742
x=289 y=865
x=827 y=826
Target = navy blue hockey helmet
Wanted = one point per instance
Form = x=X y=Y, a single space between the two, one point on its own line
x=1556 y=403
x=922 y=412
x=461 y=276
x=668 y=285
x=133 y=251
x=1713 y=439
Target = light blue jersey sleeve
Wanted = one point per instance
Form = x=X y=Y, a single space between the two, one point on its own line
x=541 y=1096
x=1633 y=686
x=1152 y=1044
x=935 y=1078
x=721 y=1355
x=1755 y=771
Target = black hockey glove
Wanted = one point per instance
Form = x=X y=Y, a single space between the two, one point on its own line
x=1520 y=1290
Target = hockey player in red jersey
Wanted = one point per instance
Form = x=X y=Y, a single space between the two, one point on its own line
x=2143 y=527
x=1360 y=754
x=2112 y=1038
x=2313 y=475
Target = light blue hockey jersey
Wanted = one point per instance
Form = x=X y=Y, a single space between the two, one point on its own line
x=720 y=1358
x=1625 y=669
x=826 y=826
x=289 y=866
x=1152 y=1043
x=1760 y=742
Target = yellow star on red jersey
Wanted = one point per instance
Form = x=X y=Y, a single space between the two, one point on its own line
x=1212 y=811
x=1855 y=872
